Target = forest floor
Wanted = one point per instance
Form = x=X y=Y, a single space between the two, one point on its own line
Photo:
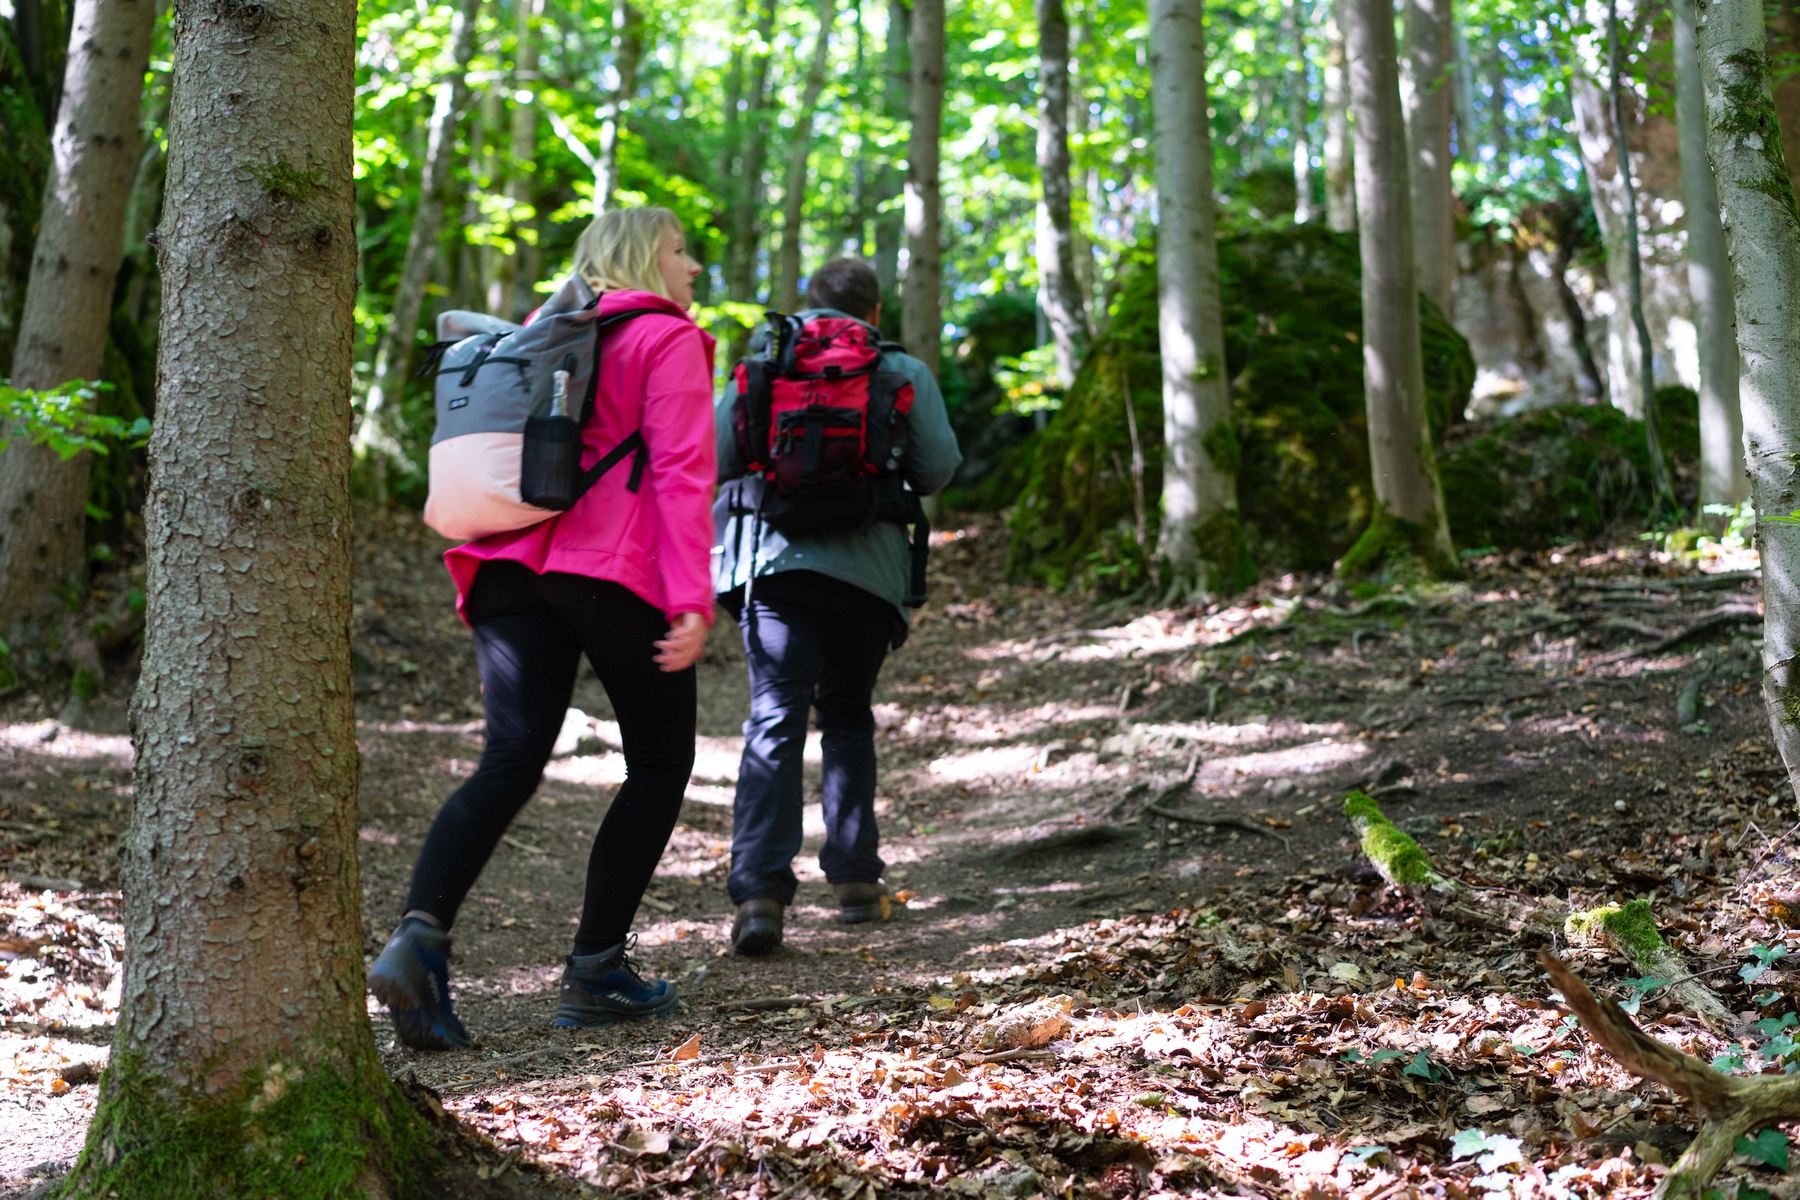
x=1135 y=950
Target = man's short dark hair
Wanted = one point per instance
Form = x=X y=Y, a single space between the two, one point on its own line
x=849 y=285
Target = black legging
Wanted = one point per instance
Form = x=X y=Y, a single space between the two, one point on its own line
x=530 y=633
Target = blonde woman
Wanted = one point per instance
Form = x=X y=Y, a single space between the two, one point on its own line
x=621 y=578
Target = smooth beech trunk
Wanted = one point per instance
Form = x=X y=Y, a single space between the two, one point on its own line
x=1201 y=549
x=793 y=190
x=519 y=270
x=922 y=304
x=62 y=329
x=1408 y=522
x=1762 y=234
x=242 y=1003
x=1429 y=106
x=620 y=86
x=1339 y=152
x=393 y=356
x=1722 y=478
x=890 y=187
x=1059 y=289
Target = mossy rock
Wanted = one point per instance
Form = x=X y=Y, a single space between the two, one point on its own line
x=1293 y=350
x=1555 y=474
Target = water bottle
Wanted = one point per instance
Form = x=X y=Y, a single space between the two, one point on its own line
x=550 y=463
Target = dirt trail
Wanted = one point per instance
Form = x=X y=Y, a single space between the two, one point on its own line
x=1137 y=953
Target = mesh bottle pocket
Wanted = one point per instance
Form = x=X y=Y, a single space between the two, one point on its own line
x=550 y=462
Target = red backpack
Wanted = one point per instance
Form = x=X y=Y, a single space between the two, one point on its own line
x=826 y=429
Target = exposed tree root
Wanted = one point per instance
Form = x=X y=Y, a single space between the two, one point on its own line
x=1729 y=1106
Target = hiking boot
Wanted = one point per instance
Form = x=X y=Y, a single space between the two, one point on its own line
x=412 y=977
x=756 y=930
x=599 y=989
x=859 y=902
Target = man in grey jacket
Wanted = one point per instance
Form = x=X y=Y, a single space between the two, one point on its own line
x=821 y=615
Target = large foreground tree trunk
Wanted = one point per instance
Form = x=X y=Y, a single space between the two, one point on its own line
x=242 y=1003
x=793 y=191
x=1428 y=50
x=1722 y=478
x=1408 y=525
x=1762 y=234
x=1059 y=292
x=922 y=307
x=1201 y=549
x=62 y=331
x=393 y=357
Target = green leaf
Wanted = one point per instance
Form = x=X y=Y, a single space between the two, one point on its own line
x=1770 y=1026
x=1490 y=1150
x=1421 y=1067
x=1769 y=1146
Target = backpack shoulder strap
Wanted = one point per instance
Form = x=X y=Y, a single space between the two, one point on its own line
x=632 y=445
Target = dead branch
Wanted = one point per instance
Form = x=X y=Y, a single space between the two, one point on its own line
x=1725 y=614
x=1169 y=814
x=1728 y=1106
x=769 y=1003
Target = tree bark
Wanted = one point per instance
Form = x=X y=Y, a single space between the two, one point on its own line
x=1463 y=99
x=1201 y=550
x=62 y=330
x=1784 y=46
x=1339 y=154
x=621 y=87
x=393 y=358
x=793 y=192
x=922 y=304
x=744 y=233
x=1059 y=293
x=1634 y=256
x=730 y=187
x=890 y=215
x=1762 y=234
x=1428 y=54
x=43 y=47
x=24 y=161
x=1722 y=478
x=1294 y=20
x=1409 y=519
x=519 y=270
x=242 y=1003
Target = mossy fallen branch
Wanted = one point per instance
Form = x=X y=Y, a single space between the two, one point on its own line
x=1394 y=853
x=1630 y=928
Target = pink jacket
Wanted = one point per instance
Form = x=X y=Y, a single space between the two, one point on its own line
x=656 y=375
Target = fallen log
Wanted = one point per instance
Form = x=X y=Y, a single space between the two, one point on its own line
x=1630 y=929
x=1729 y=1106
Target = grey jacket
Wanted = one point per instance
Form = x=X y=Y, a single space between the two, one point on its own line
x=876 y=559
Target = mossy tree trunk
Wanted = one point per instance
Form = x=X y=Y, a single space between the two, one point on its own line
x=1428 y=108
x=1339 y=152
x=1407 y=534
x=1722 y=478
x=375 y=444
x=1762 y=233
x=62 y=331
x=922 y=301
x=1201 y=548
x=243 y=1063
x=1059 y=289
x=793 y=189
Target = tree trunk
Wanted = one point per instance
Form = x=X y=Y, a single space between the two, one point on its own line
x=62 y=331
x=1407 y=530
x=519 y=270
x=729 y=188
x=1784 y=47
x=1762 y=234
x=24 y=161
x=393 y=358
x=242 y=1004
x=793 y=192
x=1634 y=257
x=1463 y=78
x=1294 y=21
x=1087 y=283
x=1428 y=55
x=1498 y=130
x=621 y=87
x=1059 y=293
x=922 y=304
x=1340 y=159
x=1201 y=550
x=890 y=220
x=43 y=48
x=744 y=230
x=1722 y=478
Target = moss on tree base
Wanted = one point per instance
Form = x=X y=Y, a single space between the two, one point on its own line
x=285 y=1133
x=1393 y=551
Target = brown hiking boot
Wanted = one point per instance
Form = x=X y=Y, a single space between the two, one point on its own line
x=860 y=902
x=756 y=930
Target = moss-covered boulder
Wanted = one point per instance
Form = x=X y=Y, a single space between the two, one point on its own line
x=1558 y=474
x=1293 y=349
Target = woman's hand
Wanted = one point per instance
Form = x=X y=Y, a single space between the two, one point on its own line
x=687 y=637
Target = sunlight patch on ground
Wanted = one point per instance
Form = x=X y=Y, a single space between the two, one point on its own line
x=1313 y=758
x=50 y=739
x=1252 y=732
x=1152 y=633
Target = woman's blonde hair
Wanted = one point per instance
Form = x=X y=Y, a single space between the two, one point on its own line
x=619 y=249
